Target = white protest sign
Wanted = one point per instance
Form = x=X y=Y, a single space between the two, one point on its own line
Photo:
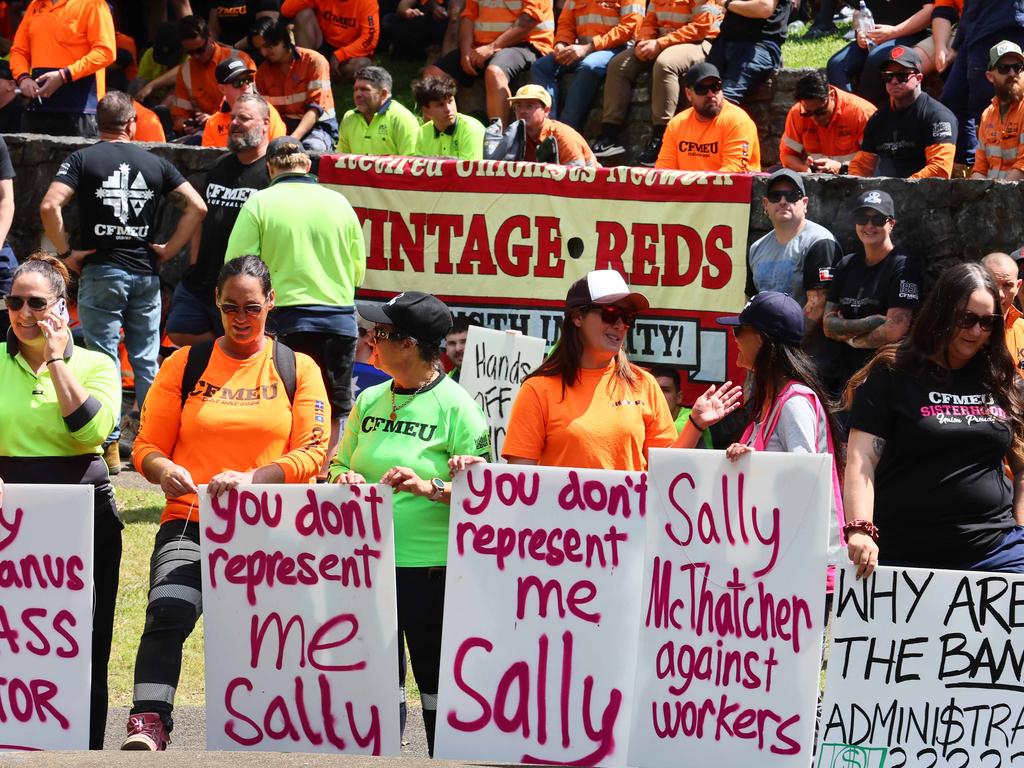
x=732 y=610
x=540 y=618
x=46 y=534
x=494 y=366
x=926 y=668
x=301 y=629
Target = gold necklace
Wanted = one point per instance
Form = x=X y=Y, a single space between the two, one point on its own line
x=396 y=408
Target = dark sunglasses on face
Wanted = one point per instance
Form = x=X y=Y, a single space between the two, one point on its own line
x=612 y=314
x=38 y=303
x=819 y=112
x=197 y=51
x=876 y=219
x=969 y=319
x=1005 y=69
x=789 y=195
x=702 y=89
x=899 y=77
x=242 y=83
x=250 y=309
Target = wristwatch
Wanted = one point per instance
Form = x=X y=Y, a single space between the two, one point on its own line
x=438 y=488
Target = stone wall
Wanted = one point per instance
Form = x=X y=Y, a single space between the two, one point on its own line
x=938 y=220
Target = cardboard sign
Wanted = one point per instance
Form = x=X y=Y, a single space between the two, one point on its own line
x=501 y=242
x=541 y=612
x=926 y=668
x=301 y=628
x=732 y=610
x=46 y=534
x=493 y=368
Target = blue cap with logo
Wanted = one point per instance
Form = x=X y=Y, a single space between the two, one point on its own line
x=774 y=314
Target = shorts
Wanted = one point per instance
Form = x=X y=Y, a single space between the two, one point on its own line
x=190 y=314
x=512 y=61
x=334 y=354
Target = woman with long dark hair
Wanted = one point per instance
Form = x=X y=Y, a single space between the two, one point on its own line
x=932 y=421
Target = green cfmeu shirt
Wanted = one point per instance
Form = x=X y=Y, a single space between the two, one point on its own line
x=464 y=139
x=440 y=422
x=392 y=131
x=310 y=238
x=31 y=415
x=705 y=436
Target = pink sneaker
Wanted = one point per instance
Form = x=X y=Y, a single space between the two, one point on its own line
x=146 y=732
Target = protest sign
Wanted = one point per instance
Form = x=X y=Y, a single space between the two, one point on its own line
x=732 y=609
x=46 y=534
x=926 y=668
x=540 y=616
x=501 y=242
x=493 y=368
x=301 y=630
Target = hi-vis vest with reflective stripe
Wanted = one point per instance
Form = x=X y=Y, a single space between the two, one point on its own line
x=666 y=16
x=583 y=20
x=1000 y=141
x=492 y=17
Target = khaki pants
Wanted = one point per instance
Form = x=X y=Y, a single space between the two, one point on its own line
x=668 y=70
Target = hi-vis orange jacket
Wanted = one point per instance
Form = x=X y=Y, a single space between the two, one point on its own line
x=492 y=17
x=672 y=22
x=605 y=23
x=351 y=27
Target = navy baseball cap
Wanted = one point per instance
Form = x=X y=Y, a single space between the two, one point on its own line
x=774 y=314
x=422 y=316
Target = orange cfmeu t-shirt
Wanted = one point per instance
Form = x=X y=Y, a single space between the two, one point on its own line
x=147 y=125
x=237 y=417
x=350 y=27
x=215 y=132
x=727 y=143
x=601 y=423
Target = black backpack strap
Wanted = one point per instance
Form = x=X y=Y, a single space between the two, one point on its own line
x=198 y=359
x=284 y=361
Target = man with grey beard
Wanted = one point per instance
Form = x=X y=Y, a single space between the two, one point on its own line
x=1000 y=152
x=194 y=316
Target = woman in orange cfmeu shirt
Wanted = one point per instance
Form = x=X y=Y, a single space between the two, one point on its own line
x=234 y=426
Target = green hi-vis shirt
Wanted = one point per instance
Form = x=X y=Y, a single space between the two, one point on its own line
x=392 y=131
x=310 y=238
x=463 y=140
x=32 y=424
x=705 y=437
x=429 y=428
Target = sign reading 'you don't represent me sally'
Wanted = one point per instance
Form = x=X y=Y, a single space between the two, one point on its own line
x=301 y=634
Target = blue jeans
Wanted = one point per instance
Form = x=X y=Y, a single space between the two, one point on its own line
x=853 y=60
x=590 y=71
x=743 y=64
x=109 y=299
x=1008 y=557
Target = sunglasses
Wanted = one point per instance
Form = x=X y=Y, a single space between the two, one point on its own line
x=612 y=314
x=250 y=309
x=899 y=77
x=1005 y=69
x=819 y=112
x=969 y=319
x=242 y=83
x=38 y=303
x=380 y=335
x=789 y=195
x=197 y=51
x=702 y=89
x=870 y=218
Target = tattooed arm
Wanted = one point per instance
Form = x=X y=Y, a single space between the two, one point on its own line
x=863 y=453
x=839 y=329
x=895 y=327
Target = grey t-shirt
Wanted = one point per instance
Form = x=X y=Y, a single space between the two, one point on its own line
x=793 y=268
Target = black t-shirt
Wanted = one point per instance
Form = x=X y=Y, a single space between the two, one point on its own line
x=236 y=17
x=118 y=186
x=900 y=138
x=942 y=499
x=893 y=12
x=228 y=185
x=773 y=29
x=7 y=258
x=861 y=291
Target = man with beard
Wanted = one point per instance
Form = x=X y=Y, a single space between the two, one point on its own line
x=1000 y=153
x=713 y=134
x=194 y=316
x=235 y=78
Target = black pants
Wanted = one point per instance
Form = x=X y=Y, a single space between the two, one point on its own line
x=420 y=593
x=175 y=604
x=334 y=355
x=59 y=124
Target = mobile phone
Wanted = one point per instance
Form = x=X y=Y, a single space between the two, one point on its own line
x=62 y=310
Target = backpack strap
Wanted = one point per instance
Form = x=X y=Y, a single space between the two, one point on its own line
x=198 y=359
x=284 y=361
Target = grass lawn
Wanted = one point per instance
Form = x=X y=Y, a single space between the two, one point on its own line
x=798 y=53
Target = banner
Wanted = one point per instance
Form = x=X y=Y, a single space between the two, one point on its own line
x=732 y=610
x=926 y=669
x=541 y=611
x=46 y=534
x=301 y=630
x=502 y=242
x=493 y=368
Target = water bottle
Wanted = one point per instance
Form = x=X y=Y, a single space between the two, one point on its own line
x=864 y=22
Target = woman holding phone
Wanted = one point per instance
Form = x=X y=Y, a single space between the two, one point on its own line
x=59 y=404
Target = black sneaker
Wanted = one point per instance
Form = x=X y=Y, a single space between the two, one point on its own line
x=816 y=32
x=607 y=147
x=650 y=154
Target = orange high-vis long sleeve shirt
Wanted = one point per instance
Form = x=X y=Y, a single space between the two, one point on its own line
x=237 y=417
x=605 y=23
x=490 y=20
x=305 y=85
x=351 y=27
x=839 y=140
x=672 y=22
x=1000 y=141
x=196 y=89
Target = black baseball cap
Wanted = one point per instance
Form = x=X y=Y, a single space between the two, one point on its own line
x=905 y=56
x=785 y=174
x=700 y=72
x=877 y=200
x=285 y=145
x=603 y=286
x=233 y=69
x=422 y=316
x=774 y=314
